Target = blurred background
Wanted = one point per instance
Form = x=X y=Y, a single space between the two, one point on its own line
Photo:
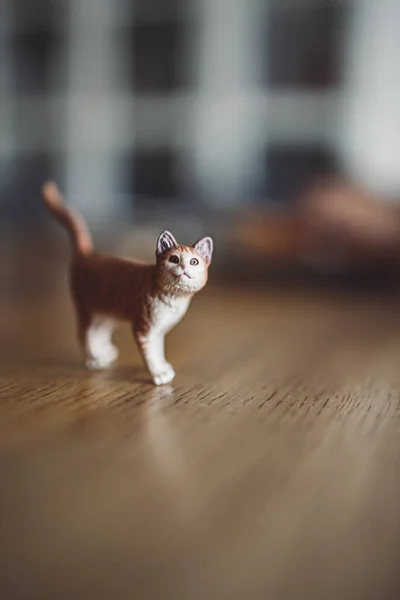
x=271 y=124
x=274 y=127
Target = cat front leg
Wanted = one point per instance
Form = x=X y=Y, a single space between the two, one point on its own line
x=151 y=347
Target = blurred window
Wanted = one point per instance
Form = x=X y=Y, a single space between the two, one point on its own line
x=153 y=175
x=33 y=55
x=156 y=56
x=302 y=44
x=289 y=169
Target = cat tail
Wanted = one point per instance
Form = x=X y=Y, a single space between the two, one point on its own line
x=68 y=218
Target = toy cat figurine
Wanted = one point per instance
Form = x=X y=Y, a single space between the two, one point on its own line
x=107 y=289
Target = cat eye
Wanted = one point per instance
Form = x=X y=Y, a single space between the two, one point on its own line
x=174 y=259
x=194 y=261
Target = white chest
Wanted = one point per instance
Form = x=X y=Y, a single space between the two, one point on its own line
x=166 y=314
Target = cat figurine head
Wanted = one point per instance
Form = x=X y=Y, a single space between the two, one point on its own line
x=182 y=269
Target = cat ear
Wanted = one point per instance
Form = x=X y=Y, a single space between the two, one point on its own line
x=165 y=241
x=205 y=248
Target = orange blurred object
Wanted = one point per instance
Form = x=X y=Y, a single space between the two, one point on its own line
x=332 y=222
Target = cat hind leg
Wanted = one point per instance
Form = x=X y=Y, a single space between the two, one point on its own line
x=98 y=348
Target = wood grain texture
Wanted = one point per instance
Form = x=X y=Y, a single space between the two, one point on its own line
x=269 y=469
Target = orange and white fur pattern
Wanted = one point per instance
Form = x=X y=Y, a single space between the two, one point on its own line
x=153 y=298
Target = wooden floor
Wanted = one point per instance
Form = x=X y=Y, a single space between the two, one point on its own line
x=270 y=469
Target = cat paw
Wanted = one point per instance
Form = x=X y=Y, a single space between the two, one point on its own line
x=166 y=375
x=110 y=354
x=97 y=364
